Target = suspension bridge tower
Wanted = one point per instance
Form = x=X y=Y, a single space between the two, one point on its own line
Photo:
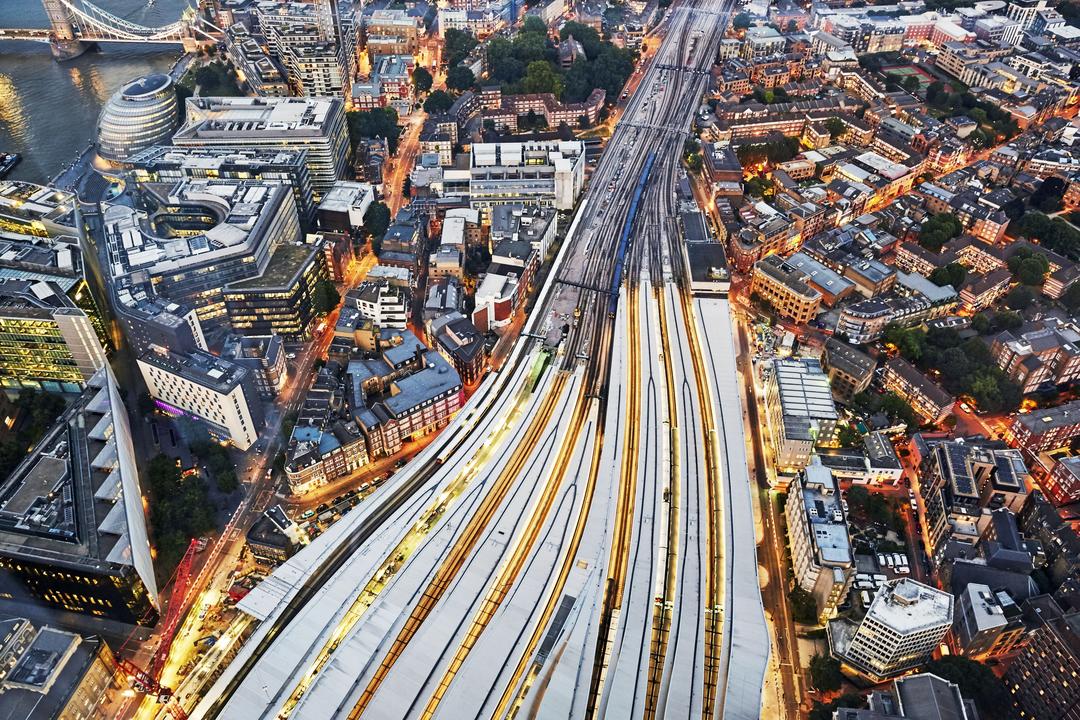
x=65 y=45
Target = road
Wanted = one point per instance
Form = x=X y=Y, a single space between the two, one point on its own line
x=539 y=557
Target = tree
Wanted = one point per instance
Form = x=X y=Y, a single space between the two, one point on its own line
x=584 y=34
x=1028 y=267
x=457 y=44
x=540 y=77
x=825 y=673
x=378 y=123
x=438 y=102
x=534 y=24
x=911 y=84
x=742 y=21
x=938 y=230
x=324 y=297
x=848 y=436
x=934 y=89
x=694 y=163
x=951 y=274
x=180 y=509
x=803 y=606
x=1019 y=297
x=977 y=682
x=460 y=78
x=376 y=221
x=792 y=26
x=421 y=80
x=836 y=127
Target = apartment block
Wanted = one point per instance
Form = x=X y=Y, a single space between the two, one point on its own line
x=821 y=552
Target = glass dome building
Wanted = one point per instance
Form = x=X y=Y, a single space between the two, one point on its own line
x=140 y=114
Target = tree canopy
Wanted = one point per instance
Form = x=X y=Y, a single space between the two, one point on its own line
x=952 y=274
x=421 y=79
x=457 y=44
x=1054 y=234
x=1028 y=266
x=180 y=509
x=439 y=101
x=324 y=297
x=376 y=222
x=938 y=230
x=369 y=124
x=460 y=78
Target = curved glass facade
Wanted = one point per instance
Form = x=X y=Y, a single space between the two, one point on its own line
x=141 y=114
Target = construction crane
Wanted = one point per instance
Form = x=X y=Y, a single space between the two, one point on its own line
x=148 y=680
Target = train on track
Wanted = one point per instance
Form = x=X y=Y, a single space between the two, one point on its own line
x=624 y=240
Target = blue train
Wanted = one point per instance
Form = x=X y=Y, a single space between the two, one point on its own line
x=624 y=240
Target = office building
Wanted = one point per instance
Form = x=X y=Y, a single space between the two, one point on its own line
x=219 y=393
x=786 y=289
x=54 y=674
x=343 y=208
x=1046 y=428
x=264 y=355
x=316 y=125
x=988 y=624
x=925 y=396
x=140 y=114
x=72 y=530
x=821 y=554
x=46 y=341
x=384 y=303
x=460 y=343
x=904 y=624
x=850 y=370
x=961 y=482
x=800 y=411
x=171 y=165
x=280 y=300
x=201 y=237
x=915 y=697
x=1043 y=678
x=37 y=211
x=150 y=321
x=544 y=173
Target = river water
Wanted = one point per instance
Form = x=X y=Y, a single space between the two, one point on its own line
x=48 y=110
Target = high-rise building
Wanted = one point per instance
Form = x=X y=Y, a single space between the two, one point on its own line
x=821 y=554
x=72 y=530
x=218 y=392
x=1043 y=679
x=280 y=300
x=45 y=340
x=207 y=235
x=316 y=125
x=800 y=411
x=37 y=211
x=51 y=673
x=988 y=624
x=916 y=697
x=904 y=624
x=168 y=164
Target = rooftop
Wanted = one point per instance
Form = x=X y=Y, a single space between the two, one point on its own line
x=908 y=606
x=74 y=500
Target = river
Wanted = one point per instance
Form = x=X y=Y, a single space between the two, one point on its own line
x=48 y=110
